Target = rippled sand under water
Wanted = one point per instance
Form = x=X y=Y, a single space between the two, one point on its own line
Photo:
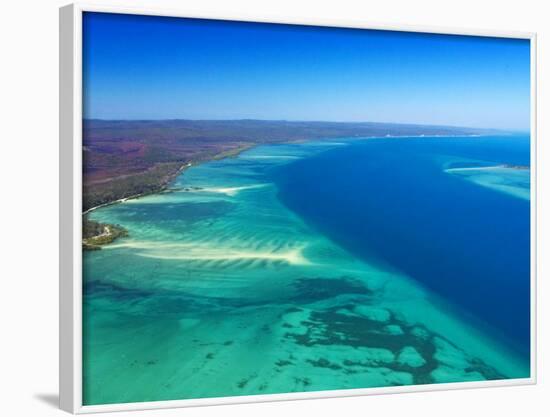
x=222 y=291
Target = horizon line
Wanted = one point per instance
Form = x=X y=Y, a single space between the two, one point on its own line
x=172 y=119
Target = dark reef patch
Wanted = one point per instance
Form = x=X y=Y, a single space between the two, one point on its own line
x=305 y=382
x=310 y=290
x=324 y=363
x=244 y=382
x=283 y=362
x=98 y=288
x=332 y=328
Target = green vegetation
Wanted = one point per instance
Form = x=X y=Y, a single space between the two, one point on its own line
x=150 y=181
x=232 y=152
x=95 y=234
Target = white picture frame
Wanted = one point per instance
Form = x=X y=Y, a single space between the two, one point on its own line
x=70 y=279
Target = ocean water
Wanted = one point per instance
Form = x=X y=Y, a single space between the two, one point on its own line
x=315 y=266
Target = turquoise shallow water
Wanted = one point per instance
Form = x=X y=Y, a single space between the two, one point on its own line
x=513 y=181
x=221 y=290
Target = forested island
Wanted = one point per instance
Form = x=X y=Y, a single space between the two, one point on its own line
x=95 y=234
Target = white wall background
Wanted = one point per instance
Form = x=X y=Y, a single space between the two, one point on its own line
x=29 y=194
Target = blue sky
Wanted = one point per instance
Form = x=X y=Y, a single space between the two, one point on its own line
x=146 y=67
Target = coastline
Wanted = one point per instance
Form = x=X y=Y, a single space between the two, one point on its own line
x=237 y=151
x=162 y=187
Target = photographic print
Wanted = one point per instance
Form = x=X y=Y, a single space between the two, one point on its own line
x=279 y=208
